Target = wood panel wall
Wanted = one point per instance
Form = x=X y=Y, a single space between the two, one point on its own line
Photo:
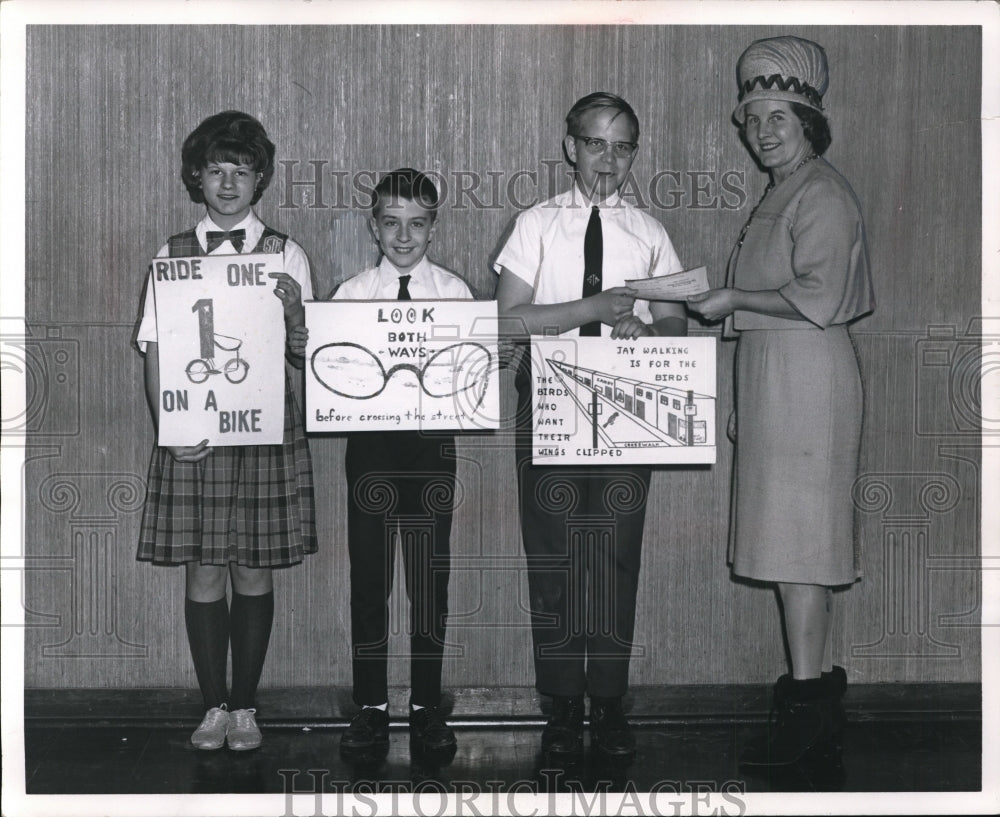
x=107 y=109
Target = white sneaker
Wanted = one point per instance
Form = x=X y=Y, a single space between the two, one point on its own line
x=243 y=733
x=211 y=732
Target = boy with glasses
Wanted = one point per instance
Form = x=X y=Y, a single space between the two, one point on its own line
x=563 y=271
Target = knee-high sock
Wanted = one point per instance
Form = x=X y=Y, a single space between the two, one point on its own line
x=208 y=636
x=251 y=618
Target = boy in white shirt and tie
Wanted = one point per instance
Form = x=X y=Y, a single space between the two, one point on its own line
x=563 y=271
x=410 y=466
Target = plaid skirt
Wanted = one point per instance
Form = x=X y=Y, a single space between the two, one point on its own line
x=252 y=505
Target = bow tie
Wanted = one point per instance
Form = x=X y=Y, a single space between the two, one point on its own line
x=215 y=239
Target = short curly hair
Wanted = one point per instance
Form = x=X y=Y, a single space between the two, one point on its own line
x=230 y=136
x=815 y=127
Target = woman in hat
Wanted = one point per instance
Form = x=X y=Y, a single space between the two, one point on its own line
x=797 y=277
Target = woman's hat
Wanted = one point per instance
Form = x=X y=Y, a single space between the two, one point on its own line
x=785 y=68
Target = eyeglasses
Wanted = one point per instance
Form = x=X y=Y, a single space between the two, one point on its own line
x=621 y=150
x=351 y=370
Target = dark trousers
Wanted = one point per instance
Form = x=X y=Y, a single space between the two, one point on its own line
x=582 y=531
x=399 y=483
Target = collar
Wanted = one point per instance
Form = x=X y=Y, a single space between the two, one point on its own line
x=612 y=202
x=252 y=225
x=574 y=199
x=388 y=273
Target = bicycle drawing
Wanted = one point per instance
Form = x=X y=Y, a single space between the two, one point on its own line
x=201 y=368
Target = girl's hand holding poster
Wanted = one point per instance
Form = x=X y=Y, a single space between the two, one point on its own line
x=221 y=349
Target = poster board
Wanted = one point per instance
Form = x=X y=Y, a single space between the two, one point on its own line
x=599 y=401
x=221 y=349
x=394 y=366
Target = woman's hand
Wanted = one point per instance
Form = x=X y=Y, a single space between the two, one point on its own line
x=714 y=304
x=297 y=339
x=289 y=293
x=613 y=304
x=630 y=328
x=190 y=453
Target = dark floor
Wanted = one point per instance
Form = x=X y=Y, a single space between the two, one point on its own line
x=914 y=738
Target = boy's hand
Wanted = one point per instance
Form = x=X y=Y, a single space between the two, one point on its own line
x=506 y=348
x=289 y=293
x=614 y=304
x=297 y=339
x=190 y=453
x=630 y=328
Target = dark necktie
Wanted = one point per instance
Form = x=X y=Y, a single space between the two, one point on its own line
x=404 y=291
x=216 y=238
x=593 y=260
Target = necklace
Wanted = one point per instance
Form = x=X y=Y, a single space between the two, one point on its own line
x=768 y=189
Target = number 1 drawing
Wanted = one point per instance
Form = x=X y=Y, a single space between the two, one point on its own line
x=198 y=370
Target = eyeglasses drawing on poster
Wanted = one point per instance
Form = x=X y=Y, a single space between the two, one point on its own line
x=354 y=371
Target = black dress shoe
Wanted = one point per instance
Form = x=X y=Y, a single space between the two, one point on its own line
x=804 y=724
x=429 y=730
x=836 y=685
x=563 y=734
x=368 y=731
x=609 y=731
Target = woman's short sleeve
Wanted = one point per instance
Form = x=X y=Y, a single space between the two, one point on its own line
x=831 y=283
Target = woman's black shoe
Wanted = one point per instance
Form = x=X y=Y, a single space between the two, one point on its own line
x=804 y=722
x=836 y=686
x=563 y=734
x=609 y=730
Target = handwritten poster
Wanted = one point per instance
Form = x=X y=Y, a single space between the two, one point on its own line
x=391 y=365
x=221 y=350
x=600 y=401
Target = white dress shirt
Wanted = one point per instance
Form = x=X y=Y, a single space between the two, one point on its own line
x=296 y=264
x=428 y=281
x=545 y=250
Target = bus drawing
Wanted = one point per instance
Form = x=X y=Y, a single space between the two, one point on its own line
x=676 y=416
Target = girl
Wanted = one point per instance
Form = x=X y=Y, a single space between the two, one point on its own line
x=235 y=511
